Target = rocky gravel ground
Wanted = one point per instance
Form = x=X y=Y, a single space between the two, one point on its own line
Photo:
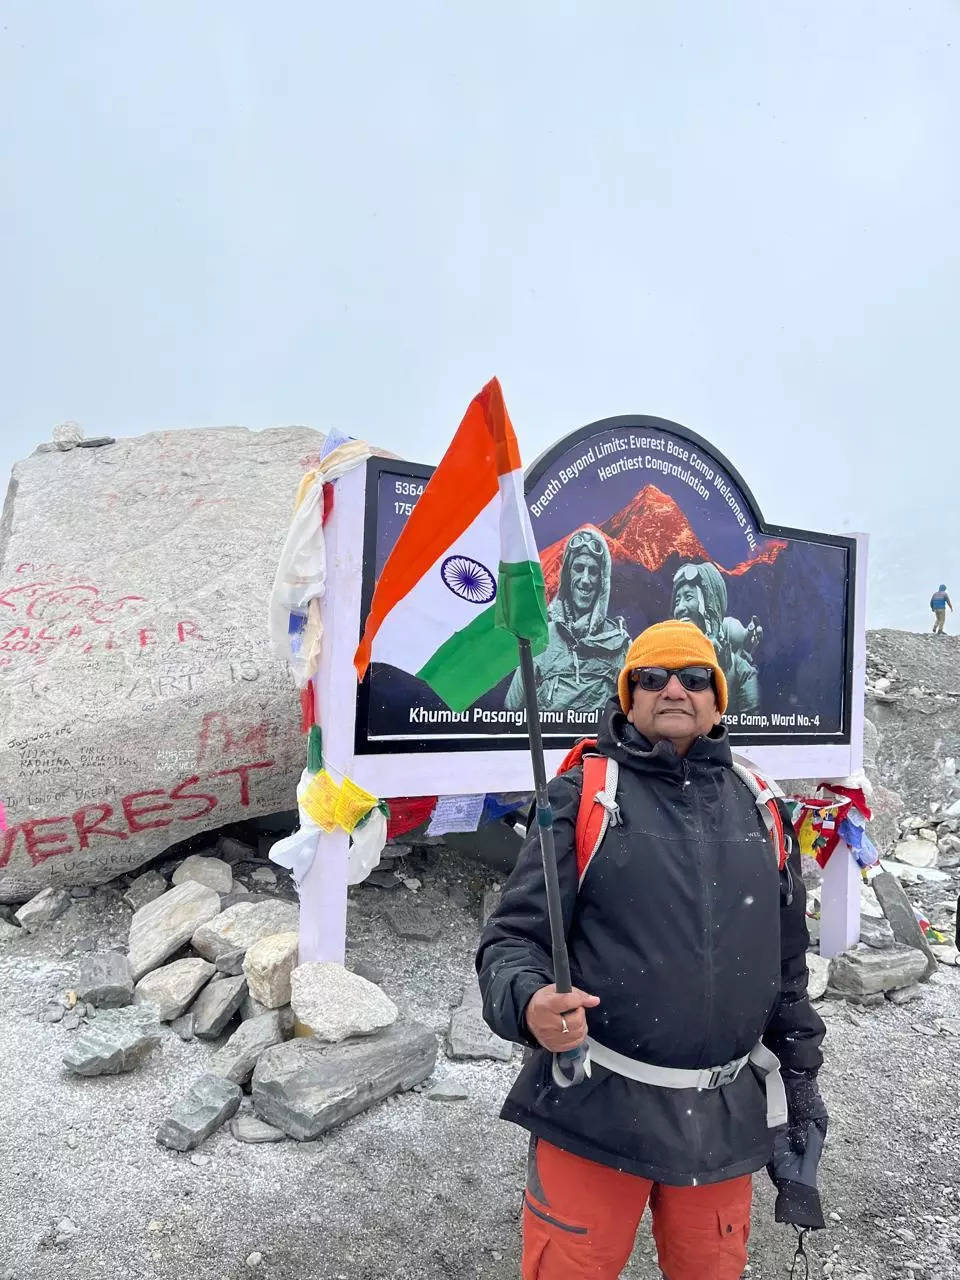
x=916 y=661
x=415 y=1187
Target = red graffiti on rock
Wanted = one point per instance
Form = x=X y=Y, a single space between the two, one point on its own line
x=47 y=614
x=153 y=808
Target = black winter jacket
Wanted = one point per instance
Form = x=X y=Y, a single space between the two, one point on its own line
x=696 y=946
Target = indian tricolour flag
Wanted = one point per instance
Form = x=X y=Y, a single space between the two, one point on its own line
x=464 y=579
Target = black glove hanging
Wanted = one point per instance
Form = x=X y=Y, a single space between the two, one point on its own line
x=796 y=1154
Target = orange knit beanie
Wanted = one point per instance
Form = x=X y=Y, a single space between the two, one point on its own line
x=673 y=644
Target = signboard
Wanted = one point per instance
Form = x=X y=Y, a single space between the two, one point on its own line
x=638 y=519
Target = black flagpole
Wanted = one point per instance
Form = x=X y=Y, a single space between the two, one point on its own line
x=568 y=1066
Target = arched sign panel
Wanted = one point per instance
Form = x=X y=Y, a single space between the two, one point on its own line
x=638 y=519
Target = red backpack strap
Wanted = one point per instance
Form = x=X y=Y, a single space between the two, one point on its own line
x=598 y=808
x=574 y=757
x=765 y=796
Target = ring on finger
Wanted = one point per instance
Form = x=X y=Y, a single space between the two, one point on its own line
x=563 y=1024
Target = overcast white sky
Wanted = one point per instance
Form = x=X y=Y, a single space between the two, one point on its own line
x=741 y=216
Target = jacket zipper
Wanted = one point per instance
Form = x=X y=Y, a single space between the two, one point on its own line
x=708 y=926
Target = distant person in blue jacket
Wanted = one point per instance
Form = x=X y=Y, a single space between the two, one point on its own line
x=940 y=603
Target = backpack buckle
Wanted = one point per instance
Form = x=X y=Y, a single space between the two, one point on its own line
x=611 y=808
x=719 y=1076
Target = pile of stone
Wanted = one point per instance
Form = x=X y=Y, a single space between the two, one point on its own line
x=894 y=954
x=930 y=842
x=314 y=1044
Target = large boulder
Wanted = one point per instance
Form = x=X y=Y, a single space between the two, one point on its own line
x=860 y=971
x=305 y=1088
x=140 y=701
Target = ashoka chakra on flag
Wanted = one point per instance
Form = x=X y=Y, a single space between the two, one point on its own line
x=468 y=579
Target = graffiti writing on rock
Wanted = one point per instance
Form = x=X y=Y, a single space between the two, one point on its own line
x=99 y=824
x=38 y=617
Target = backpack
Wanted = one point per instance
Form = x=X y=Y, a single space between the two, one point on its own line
x=599 y=809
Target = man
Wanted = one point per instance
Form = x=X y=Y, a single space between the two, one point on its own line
x=700 y=597
x=687 y=945
x=578 y=669
x=939 y=603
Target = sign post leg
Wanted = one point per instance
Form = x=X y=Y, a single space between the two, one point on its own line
x=323 y=901
x=839 y=903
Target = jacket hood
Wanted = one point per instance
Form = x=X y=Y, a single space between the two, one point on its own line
x=712 y=591
x=587 y=540
x=618 y=739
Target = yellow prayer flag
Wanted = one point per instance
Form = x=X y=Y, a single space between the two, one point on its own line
x=352 y=804
x=320 y=800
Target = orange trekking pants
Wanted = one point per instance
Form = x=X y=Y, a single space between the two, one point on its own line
x=580 y=1219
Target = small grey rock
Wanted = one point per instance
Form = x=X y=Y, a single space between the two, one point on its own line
x=105 y=980
x=233 y=851
x=231 y=963
x=172 y=987
x=215 y=873
x=383 y=880
x=860 y=971
x=81 y=891
x=112 y=1046
x=905 y=995
x=216 y=1005
x=410 y=921
x=207 y=1105
x=446 y=1091
x=250 y=1128
x=144 y=889
x=45 y=906
x=184 y=1026
x=237 y=1058
x=71 y=1020
x=470 y=1037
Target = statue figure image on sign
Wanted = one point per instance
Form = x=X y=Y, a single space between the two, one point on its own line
x=578 y=669
x=700 y=596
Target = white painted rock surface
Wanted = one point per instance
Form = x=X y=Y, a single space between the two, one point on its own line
x=140 y=701
x=213 y=872
x=243 y=924
x=268 y=965
x=164 y=925
x=171 y=988
x=335 y=1003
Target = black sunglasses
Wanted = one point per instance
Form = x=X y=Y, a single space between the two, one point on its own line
x=653 y=679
